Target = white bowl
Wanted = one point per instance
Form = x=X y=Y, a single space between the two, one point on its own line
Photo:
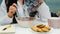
x=25 y=22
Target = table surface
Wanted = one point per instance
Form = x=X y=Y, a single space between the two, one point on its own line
x=20 y=30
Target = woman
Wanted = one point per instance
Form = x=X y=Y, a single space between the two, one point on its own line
x=34 y=8
x=7 y=11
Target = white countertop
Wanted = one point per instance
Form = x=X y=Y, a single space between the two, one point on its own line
x=20 y=30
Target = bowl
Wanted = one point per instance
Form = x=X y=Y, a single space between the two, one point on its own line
x=25 y=22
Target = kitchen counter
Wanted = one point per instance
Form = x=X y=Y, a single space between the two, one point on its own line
x=21 y=30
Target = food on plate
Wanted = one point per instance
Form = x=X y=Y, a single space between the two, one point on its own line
x=41 y=28
x=41 y=25
x=44 y=29
x=7 y=29
x=34 y=28
x=49 y=28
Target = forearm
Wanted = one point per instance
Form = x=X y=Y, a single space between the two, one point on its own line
x=5 y=20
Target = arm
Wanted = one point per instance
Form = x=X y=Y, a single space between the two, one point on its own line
x=4 y=19
x=43 y=11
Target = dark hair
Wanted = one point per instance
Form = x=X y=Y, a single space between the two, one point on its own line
x=8 y=4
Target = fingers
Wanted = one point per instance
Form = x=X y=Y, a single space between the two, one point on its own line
x=14 y=5
x=40 y=1
x=13 y=8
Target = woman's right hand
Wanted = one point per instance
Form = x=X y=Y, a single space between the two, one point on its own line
x=12 y=10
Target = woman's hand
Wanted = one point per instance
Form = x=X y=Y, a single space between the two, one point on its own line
x=40 y=1
x=12 y=10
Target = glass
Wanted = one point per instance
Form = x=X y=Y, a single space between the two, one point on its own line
x=54 y=22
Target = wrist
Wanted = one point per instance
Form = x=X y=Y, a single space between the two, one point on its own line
x=10 y=15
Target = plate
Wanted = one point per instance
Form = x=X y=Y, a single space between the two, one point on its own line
x=51 y=31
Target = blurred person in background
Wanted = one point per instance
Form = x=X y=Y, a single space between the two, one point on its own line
x=23 y=8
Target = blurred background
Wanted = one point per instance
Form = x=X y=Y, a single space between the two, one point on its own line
x=54 y=5
x=0 y=1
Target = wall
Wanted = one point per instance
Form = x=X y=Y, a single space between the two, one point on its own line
x=0 y=1
x=54 y=5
